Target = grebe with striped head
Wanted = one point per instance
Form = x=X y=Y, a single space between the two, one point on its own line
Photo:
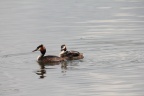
x=70 y=55
x=48 y=58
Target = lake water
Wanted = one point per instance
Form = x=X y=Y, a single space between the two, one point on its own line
x=110 y=34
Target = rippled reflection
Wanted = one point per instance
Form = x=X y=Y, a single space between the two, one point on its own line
x=42 y=71
x=65 y=66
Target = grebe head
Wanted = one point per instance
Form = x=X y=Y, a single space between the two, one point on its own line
x=40 y=48
x=63 y=50
x=63 y=47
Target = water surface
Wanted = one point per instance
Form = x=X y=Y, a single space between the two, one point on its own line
x=108 y=32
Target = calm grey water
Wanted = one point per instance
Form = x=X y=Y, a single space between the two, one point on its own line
x=110 y=34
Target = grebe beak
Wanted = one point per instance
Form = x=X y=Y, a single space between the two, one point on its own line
x=34 y=50
x=38 y=48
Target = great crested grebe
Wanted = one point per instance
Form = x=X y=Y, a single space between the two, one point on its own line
x=48 y=58
x=70 y=55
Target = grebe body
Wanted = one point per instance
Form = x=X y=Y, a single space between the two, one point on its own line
x=70 y=55
x=48 y=58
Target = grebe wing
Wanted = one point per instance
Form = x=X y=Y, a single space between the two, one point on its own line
x=52 y=58
x=74 y=53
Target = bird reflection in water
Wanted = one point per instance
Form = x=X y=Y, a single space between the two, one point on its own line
x=64 y=67
x=69 y=65
x=42 y=71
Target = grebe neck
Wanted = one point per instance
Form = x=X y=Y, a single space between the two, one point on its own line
x=41 y=56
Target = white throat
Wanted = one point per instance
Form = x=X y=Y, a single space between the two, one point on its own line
x=38 y=57
x=61 y=53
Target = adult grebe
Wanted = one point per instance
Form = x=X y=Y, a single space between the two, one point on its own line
x=46 y=59
x=70 y=55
